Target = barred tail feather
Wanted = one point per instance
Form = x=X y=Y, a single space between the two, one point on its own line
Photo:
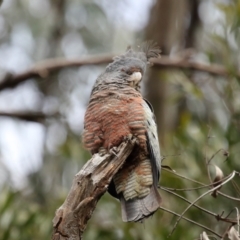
x=138 y=209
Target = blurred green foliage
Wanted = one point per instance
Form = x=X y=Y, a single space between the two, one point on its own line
x=205 y=111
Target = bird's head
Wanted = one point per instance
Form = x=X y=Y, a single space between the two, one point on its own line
x=128 y=69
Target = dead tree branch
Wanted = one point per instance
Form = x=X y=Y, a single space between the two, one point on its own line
x=43 y=69
x=88 y=186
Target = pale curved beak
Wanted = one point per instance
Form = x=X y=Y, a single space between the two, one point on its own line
x=136 y=77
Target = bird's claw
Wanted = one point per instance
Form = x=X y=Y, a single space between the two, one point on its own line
x=114 y=151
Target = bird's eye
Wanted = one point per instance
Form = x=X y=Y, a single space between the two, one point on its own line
x=128 y=72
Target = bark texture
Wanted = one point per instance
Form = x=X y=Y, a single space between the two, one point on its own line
x=88 y=186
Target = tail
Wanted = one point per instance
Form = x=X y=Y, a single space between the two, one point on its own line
x=139 y=208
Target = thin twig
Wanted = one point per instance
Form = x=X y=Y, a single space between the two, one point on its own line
x=191 y=221
x=229 y=212
x=187 y=189
x=211 y=158
x=194 y=181
x=183 y=177
x=217 y=216
x=186 y=200
x=196 y=188
x=229 y=197
x=209 y=191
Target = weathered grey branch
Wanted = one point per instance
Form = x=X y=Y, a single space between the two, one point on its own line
x=88 y=186
x=43 y=69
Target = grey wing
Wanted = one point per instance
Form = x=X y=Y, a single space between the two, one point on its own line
x=137 y=209
x=152 y=141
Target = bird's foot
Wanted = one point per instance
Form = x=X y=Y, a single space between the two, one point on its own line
x=114 y=151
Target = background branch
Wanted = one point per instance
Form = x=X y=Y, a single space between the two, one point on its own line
x=88 y=186
x=43 y=69
x=177 y=62
x=29 y=116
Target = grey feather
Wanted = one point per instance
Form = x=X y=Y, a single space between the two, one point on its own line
x=137 y=57
x=151 y=49
x=153 y=143
x=139 y=208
